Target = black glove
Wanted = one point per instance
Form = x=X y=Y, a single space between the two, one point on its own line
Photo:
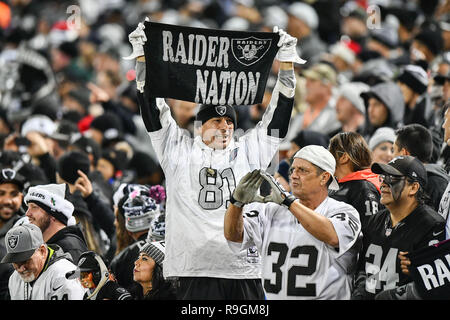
x=279 y=194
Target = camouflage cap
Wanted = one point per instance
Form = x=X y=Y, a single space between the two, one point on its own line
x=322 y=72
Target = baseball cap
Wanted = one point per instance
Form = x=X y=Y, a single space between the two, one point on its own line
x=21 y=242
x=39 y=123
x=403 y=166
x=322 y=72
x=9 y=175
x=322 y=158
x=155 y=250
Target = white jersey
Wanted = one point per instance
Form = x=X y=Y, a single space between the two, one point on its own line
x=199 y=183
x=50 y=285
x=296 y=265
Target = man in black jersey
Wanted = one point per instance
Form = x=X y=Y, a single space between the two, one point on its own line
x=406 y=224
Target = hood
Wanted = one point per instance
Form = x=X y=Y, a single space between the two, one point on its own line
x=436 y=169
x=366 y=174
x=57 y=253
x=391 y=95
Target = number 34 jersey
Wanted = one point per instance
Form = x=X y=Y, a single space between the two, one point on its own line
x=296 y=265
x=379 y=265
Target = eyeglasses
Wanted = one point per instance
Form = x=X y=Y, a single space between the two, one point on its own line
x=390 y=180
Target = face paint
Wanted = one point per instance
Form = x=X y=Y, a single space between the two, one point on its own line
x=396 y=184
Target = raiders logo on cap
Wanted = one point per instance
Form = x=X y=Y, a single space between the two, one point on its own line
x=8 y=174
x=221 y=110
x=13 y=240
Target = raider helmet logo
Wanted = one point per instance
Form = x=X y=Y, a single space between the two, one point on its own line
x=221 y=110
x=249 y=50
x=13 y=240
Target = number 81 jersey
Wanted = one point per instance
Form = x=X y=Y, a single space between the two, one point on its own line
x=296 y=265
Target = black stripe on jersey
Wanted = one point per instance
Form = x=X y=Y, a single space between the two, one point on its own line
x=281 y=116
x=149 y=111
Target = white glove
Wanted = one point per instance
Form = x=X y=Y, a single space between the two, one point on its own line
x=137 y=38
x=288 y=48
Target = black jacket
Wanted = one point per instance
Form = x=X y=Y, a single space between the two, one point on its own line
x=6 y=269
x=437 y=182
x=71 y=240
x=360 y=193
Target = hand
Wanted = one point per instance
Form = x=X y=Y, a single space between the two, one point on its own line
x=137 y=38
x=288 y=48
x=10 y=143
x=278 y=194
x=404 y=262
x=97 y=94
x=247 y=189
x=38 y=146
x=83 y=184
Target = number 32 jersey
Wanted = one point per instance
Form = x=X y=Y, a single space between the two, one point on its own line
x=296 y=265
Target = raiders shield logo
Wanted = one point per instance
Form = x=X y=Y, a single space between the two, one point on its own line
x=221 y=110
x=13 y=240
x=8 y=174
x=249 y=50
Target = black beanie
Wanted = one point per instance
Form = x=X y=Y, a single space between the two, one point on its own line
x=207 y=112
x=70 y=162
x=109 y=124
x=432 y=40
x=414 y=77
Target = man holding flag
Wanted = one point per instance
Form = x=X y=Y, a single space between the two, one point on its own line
x=202 y=172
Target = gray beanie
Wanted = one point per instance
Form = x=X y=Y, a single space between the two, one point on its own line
x=155 y=250
x=381 y=135
x=351 y=91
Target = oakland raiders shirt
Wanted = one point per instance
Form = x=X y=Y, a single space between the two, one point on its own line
x=200 y=181
x=296 y=264
x=379 y=265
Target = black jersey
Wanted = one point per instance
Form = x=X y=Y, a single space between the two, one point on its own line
x=361 y=195
x=379 y=265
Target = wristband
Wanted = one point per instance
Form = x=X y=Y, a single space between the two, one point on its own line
x=288 y=201
x=236 y=203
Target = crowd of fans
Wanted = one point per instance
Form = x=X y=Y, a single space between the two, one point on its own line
x=69 y=113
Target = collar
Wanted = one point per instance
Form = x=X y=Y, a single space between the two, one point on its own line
x=366 y=175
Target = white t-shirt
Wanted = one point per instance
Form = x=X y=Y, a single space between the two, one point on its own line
x=296 y=265
x=199 y=183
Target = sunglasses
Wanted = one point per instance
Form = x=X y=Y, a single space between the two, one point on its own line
x=390 y=180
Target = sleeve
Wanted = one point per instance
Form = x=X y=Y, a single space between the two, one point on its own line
x=48 y=164
x=263 y=141
x=102 y=213
x=164 y=133
x=254 y=218
x=347 y=225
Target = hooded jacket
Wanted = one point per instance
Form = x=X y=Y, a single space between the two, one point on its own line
x=51 y=283
x=437 y=182
x=390 y=94
x=71 y=240
x=360 y=189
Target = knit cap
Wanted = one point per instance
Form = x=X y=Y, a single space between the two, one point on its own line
x=155 y=250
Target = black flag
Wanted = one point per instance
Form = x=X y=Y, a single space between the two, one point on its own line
x=430 y=269
x=208 y=66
